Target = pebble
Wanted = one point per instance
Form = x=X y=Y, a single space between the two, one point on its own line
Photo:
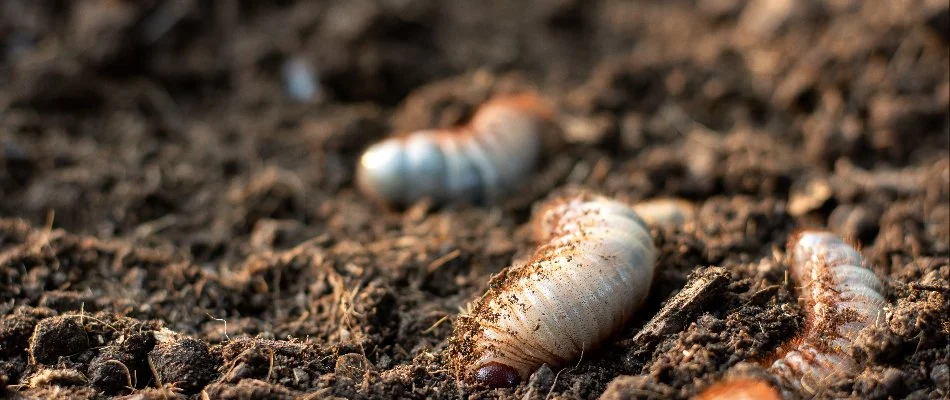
x=300 y=80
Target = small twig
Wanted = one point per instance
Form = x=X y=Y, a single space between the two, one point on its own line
x=439 y=262
x=128 y=374
x=558 y=374
x=929 y=287
x=226 y=337
x=270 y=367
x=436 y=324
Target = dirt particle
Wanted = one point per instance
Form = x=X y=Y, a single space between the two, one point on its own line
x=16 y=328
x=248 y=389
x=704 y=288
x=71 y=393
x=540 y=383
x=151 y=394
x=252 y=363
x=353 y=366
x=854 y=221
x=183 y=363
x=296 y=365
x=57 y=337
x=940 y=375
x=939 y=21
x=881 y=384
x=114 y=371
x=811 y=195
x=300 y=376
x=634 y=387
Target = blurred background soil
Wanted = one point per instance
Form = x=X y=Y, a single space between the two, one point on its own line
x=178 y=222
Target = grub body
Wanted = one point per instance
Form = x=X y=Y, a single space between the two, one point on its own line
x=591 y=272
x=475 y=163
x=841 y=297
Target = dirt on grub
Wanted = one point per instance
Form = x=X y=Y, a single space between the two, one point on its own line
x=177 y=224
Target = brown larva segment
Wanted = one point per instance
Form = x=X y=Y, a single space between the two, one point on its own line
x=841 y=298
x=476 y=163
x=583 y=283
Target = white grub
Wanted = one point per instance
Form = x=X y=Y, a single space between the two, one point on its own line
x=475 y=163
x=591 y=272
x=666 y=212
x=841 y=297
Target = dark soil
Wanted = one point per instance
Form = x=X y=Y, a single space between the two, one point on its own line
x=175 y=224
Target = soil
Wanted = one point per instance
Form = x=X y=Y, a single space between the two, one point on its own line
x=176 y=224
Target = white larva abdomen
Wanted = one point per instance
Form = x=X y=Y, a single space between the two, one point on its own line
x=479 y=162
x=841 y=298
x=587 y=278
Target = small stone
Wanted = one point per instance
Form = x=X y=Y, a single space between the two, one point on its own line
x=300 y=376
x=300 y=80
x=540 y=383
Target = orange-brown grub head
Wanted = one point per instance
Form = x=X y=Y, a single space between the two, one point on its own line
x=740 y=389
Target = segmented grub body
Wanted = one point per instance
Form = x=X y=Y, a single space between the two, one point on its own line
x=476 y=163
x=591 y=272
x=841 y=298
